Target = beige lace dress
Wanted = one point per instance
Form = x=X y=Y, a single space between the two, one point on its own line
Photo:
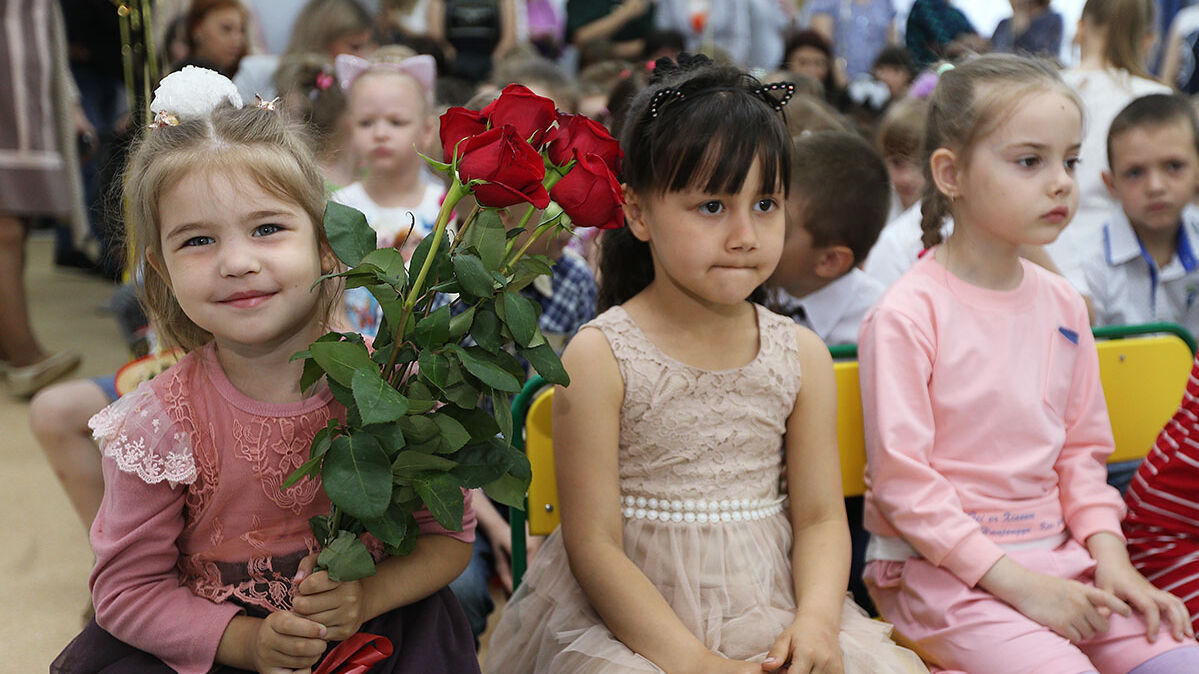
x=701 y=462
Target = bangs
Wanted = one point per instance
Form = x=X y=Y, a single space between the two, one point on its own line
x=711 y=148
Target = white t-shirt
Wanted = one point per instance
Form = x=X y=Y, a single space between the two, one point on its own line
x=898 y=246
x=1124 y=283
x=391 y=224
x=835 y=311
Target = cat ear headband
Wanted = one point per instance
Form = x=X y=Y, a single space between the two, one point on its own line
x=422 y=68
x=195 y=92
x=776 y=95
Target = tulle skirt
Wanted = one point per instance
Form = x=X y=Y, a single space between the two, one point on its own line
x=729 y=583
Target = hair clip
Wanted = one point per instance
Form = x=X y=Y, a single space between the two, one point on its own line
x=660 y=98
x=264 y=104
x=162 y=119
x=324 y=80
x=766 y=92
x=944 y=68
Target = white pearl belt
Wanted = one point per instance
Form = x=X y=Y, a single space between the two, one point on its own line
x=701 y=511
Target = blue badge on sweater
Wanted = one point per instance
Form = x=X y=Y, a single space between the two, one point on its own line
x=1069 y=334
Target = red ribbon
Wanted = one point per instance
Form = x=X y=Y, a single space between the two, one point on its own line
x=356 y=655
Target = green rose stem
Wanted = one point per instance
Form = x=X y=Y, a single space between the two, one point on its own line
x=552 y=175
x=452 y=197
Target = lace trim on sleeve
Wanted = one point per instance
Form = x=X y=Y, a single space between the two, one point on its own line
x=136 y=433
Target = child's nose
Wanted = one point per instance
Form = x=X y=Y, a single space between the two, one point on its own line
x=742 y=235
x=238 y=259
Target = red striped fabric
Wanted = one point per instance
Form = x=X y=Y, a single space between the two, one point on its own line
x=1162 y=526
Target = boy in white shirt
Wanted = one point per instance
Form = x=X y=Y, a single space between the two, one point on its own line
x=838 y=202
x=1142 y=266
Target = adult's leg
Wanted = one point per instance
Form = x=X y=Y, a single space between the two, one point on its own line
x=18 y=346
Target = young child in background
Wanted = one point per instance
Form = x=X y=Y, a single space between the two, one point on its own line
x=310 y=94
x=1163 y=520
x=684 y=413
x=389 y=110
x=996 y=544
x=201 y=558
x=1114 y=37
x=835 y=209
x=1141 y=266
x=899 y=139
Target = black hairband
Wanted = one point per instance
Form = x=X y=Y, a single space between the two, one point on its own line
x=766 y=92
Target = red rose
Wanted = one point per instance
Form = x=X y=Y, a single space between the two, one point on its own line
x=529 y=113
x=590 y=194
x=459 y=123
x=579 y=132
x=512 y=168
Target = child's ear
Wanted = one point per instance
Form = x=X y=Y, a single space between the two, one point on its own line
x=833 y=262
x=634 y=214
x=1110 y=181
x=946 y=174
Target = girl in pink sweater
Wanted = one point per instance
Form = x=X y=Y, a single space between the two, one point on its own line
x=996 y=544
x=203 y=561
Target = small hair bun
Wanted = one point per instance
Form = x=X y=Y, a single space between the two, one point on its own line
x=192 y=92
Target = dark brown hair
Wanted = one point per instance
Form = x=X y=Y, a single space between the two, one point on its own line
x=706 y=131
x=842 y=186
x=1154 y=110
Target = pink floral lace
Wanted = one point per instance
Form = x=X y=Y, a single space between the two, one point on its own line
x=129 y=432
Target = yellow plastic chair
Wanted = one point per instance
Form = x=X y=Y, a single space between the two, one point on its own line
x=1143 y=369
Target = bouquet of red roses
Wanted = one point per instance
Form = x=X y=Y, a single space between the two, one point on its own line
x=428 y=406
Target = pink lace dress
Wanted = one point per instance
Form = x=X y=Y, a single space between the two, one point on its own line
x=701 y=465
x=195 y=528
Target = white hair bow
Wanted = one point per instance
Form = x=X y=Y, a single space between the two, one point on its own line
x=423 y=68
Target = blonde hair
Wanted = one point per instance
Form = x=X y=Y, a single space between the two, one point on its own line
x=1126 y=22
x=971 y=101
x=260 y=142
x=901 y=130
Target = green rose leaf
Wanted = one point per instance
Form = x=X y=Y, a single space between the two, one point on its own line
x=486 y=236
x=389 y=435
x=508 y=490
x=345 y=396
x=420 y=398
x=547 y=363
x=435 y=368
x=479 y=464
x=501 y=404
x=418 y=429
x=433 y=330
x=486 y=330
x=320 y=528
x=412 y=461
x=357 y=475
x=488 y=372
x=341 y=359
x=378 y=402
x=478 y=423
x=389 y=266
x=472 y=275
x=444 y=499
x=395 y=525
x=462 y=394
x=346 y=558
x=521 y=317
x=349 y=235
x=321 y=443
x=441 y=262
x=528 y=268
x=460 y=324
x=452 y=432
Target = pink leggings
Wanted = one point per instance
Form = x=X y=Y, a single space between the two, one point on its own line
x=968 y=629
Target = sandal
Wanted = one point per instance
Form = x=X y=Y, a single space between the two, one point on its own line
x=25 y=381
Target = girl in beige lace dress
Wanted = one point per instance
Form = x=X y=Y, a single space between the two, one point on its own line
x=682 y=549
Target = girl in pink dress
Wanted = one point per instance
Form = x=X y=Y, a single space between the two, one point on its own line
x=703 y=528
x=995 y=540
x=203 y=562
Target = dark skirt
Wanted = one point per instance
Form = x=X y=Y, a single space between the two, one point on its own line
x=430 y=636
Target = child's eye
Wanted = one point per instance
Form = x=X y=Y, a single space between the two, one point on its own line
x=1175 y=166
x=1072 y=164
x=765 y=205
x=1028 y=162
x=197 y=241
x=711 y=207
x=1133 y=174
x=267 y=229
